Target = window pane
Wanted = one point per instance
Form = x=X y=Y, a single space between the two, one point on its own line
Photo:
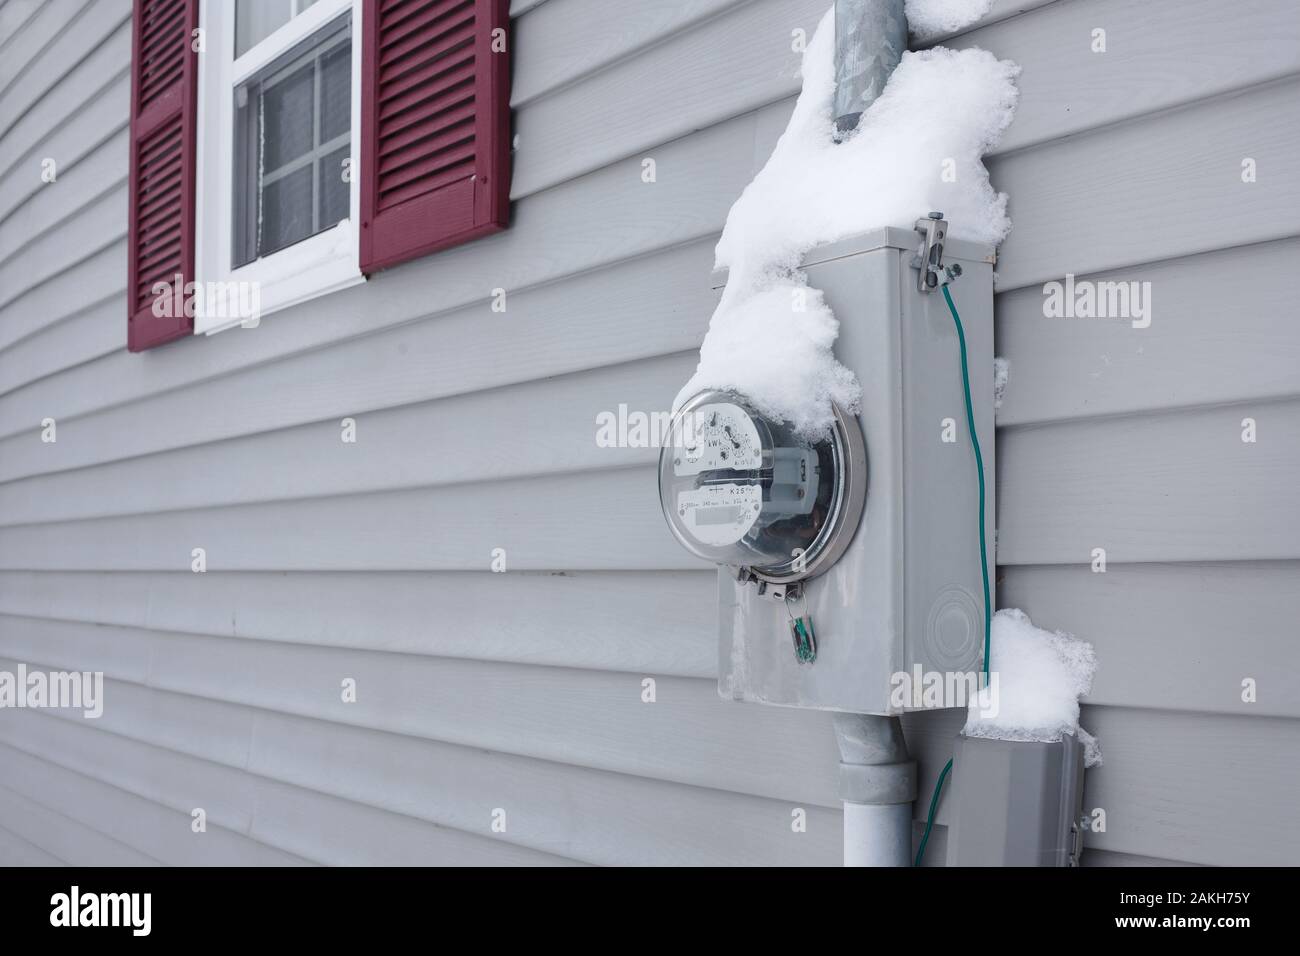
x=287 y=118
x=255 y=20
x=286 y=210
x=292 y=134
x=334 y=195
x=335 y=93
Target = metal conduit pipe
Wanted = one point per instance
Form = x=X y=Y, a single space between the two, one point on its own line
x=877 y=777
x=878 y=786
x=870 y=37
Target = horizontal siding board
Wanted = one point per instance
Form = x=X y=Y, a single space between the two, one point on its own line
x=550 y=53
x=89 y=334
x=535 y=521
x=510 y=616
x=673 y=88
x=68 y=122
x=59 y=250
x=471 y=349
x=584 y=815
x=1222 y=331
x=1164 y=186
x=665 y=92
x=1176 y=637
x=998 y=10
x=101 y=171
x=38 y=33
x=58 y=835
x=284 y=823
x=588 y=718
x=1197 y=788
x=354 y=835
x=163 y=833
x=541 y=427
x=70 y=46
x=1174 y=486
x=597 y=817
x=1200 y=787
x=17 y=851
x=97 y=277
x=1066 y=88
x=13 y=15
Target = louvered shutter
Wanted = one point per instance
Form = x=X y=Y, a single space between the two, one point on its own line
x=160 y=240
x=435 y=126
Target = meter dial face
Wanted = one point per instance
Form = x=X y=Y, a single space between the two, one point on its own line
x=739 y=489
x=715 y=437
x=720 y=515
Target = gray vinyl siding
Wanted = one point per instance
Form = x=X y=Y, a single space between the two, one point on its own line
x=522 y=690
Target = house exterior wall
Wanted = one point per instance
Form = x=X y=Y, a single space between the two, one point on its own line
x=522 y=691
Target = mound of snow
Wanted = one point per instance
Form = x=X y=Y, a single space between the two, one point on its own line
x=931 y=18
x=1040 y=676
x=918 y=148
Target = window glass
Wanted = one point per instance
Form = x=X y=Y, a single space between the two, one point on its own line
x=292 y=137
x=255 y=20
x=336 y=92
x=334 y=192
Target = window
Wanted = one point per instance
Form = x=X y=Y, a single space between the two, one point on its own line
x=277 y=204
x=293 y=129
x=289 y=146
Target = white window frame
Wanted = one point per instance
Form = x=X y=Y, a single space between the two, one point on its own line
x=323 y=263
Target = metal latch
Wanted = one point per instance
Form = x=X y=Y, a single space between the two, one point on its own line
x=928 y=260
x=1076 y=844
x=774 y=592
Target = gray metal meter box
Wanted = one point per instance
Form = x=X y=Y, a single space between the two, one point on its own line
x=902 y=593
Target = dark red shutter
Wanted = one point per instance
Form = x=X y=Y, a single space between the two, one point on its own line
x=160 y=241
x=435 y=126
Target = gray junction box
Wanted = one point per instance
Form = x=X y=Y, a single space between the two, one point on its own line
x=906 y=596
x=1016 y=802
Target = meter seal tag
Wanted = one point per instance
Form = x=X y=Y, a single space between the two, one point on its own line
x=802 y=633
x=805 y=640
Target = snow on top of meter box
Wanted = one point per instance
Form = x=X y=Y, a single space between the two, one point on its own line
x=1036 y=680
x=917 y=148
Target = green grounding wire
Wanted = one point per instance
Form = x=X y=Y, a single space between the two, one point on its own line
x=984 y=562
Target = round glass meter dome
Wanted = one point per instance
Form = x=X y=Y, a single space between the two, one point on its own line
x=740 y=489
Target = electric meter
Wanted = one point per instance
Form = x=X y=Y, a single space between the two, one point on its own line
x=832 y=582
x=739 y=489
